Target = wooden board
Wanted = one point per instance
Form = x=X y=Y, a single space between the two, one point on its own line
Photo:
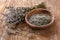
x=52 y=33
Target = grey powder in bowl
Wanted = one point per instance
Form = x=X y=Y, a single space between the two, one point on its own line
x=40 y=19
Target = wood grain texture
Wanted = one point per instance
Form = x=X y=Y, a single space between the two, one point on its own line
x=52 y=33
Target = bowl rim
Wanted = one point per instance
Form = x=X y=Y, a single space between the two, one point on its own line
x=42 y=26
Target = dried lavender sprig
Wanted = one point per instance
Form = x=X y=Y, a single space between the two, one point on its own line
x=15 y=16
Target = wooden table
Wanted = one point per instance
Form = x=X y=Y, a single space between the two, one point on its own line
x=52 y=33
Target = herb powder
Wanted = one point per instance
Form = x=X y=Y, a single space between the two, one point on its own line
x=40 y=19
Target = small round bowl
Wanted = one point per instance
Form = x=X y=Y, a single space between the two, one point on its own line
x=35 y=11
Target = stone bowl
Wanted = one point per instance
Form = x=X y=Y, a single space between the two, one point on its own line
x=35 y=11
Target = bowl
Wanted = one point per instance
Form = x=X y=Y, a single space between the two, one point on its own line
x=36 y=11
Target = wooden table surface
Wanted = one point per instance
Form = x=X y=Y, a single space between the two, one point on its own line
x=52 y=33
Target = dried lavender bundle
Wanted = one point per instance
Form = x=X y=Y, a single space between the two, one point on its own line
x=15 y=16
